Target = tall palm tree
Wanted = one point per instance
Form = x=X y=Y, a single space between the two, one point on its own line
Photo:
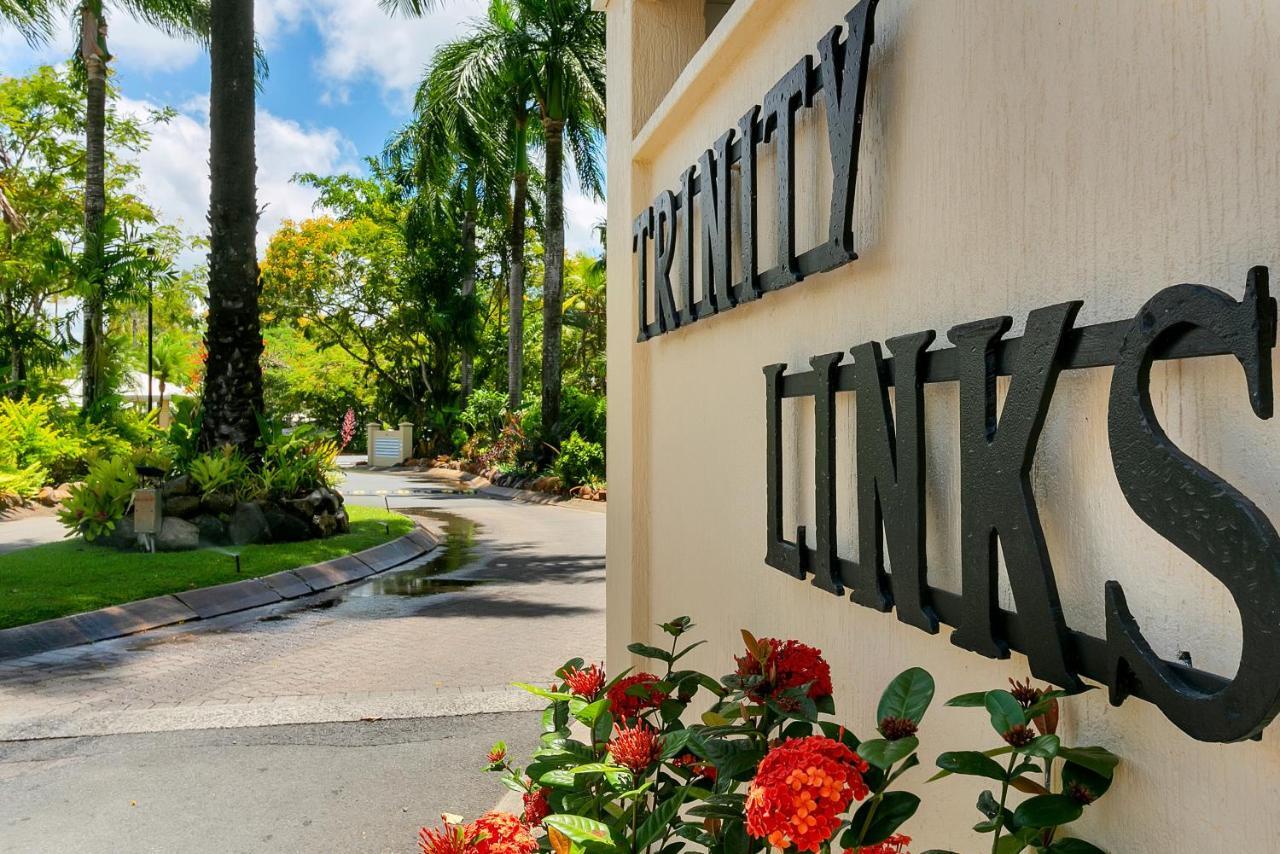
x=484 y=80
x=33 y=19
x=566 y=42
x=185 y=18
x=233 y=379
x=548 y=57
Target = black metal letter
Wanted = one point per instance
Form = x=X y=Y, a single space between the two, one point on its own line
x=664 y=246
x=1200 y=513
x=780 y=554
x=825 y=574
x=640 y=233
x=713 y=204
x=891 y=480
x=749 y=227
x=780 y=105
x=995 y=489
x=844 y=75
x=684 y=218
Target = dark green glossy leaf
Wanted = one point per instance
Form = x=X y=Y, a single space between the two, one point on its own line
x=1097 y=759
x=1010 y=845
x=1074 y=774
x=646 y=651
x=908 y=696
x=1046 y=811
x=655 y=824
x=893 y=811
x=1044 y=747
x=1005 y=710
x=971 y=763
x=976 y=700
x=586 y=712
x=883 y=753
x=1074 y=846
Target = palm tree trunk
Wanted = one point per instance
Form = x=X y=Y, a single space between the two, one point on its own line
x=515 y=278
x=553 y=283
x=93 y=34
x=233 y=384
x=468 y=280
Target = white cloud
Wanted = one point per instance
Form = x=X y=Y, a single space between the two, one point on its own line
x=175 y=167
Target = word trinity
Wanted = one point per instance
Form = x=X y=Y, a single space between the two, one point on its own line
x=1193 y=508
x=839 y=76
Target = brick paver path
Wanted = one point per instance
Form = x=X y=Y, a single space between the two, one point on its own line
x=372 y=653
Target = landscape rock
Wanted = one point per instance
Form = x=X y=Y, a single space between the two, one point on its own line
x=63 y=492
x=218 y=503
x=286 y=527
x=122 y=535
x=182 y=506
x=181 y=485
x=177 y=535
x=212 y=531
x=248 y=525
x=45 y=496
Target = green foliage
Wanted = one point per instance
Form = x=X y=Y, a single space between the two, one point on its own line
x=486 y=413
x=294 y=463
x=33 y=435
x=222 y=471
x=24 y=483
x=1026 y=719
x=97 y=504
x=302 y=380
x=579 y=462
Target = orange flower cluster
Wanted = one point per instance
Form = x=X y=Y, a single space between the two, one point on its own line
x=585 y=683
x=893 y=845
x=635 y=748
x=800 y=791
x=625 y=706
x=788 y=664
x=536 y=807
x=491 y=833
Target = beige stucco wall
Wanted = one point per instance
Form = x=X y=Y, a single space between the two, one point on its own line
x=1015 y=154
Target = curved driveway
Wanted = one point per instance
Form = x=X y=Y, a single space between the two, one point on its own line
x=367 y=678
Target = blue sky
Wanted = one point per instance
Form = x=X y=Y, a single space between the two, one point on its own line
x=342 y=80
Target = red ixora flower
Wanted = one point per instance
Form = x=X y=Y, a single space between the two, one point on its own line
x=787 y=664
x=695 y=766
x=585 y=683
x=536 y=807
x=502 y=833
x=801 y=788
x=626 y=706
x=636 y=747
x=447 y=839
x=896 y=844
x=497 y=753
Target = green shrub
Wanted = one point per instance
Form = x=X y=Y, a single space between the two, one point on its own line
x=296 y=462
x=24 y=482
x=223 y=471
x=579 y=462
x=580 y=412
x=486 y=413
x=30 y=435
x=97 y=504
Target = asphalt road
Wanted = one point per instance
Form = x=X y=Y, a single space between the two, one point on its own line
x=381 y=698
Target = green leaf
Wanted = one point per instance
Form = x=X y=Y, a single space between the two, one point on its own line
x=1010 y=845
x=1074 y=846
x=646 y=651
x=1047 y=811
x=603 y=727
x=997 y=751
x=652 y=828
x=554 y=696
x=883 y=753
x=1097 y=759
x=971 y=763
x=588 y=712
x=581 y=829
x=908 y=696
x=895 y=809
x=688 y=649
x=559 y=778
x=912 y=761
x=1005 y=710
x=1086 y=778
x=1044 y=747
x=596 y=768
x=976 y=700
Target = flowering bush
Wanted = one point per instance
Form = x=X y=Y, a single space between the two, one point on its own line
x=618 y=769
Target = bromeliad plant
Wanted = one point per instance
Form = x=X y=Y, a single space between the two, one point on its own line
x=618 y=768
x=1026 y=719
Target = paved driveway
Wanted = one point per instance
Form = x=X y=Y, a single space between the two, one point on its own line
x=518 y=589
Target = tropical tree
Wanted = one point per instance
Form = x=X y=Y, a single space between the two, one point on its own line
x=33 y=19
x=233 y=340
x=184 y=18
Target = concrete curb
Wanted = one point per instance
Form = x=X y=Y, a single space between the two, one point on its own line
x=482 y=485
x=208 y=602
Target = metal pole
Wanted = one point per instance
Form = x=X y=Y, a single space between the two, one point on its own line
x=151 y=254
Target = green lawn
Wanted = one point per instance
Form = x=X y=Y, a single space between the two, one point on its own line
x=72 y=576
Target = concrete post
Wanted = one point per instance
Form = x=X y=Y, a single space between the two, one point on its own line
x=406 y=440
x=369 y=431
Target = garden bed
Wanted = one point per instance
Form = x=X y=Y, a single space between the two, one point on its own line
x=71 y=577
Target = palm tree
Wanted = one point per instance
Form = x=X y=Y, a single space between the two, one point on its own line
x=547 y=58
x=233 y=380
x=33 y=19
x=566 y=39
x=483 y=79
x=187 y=18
